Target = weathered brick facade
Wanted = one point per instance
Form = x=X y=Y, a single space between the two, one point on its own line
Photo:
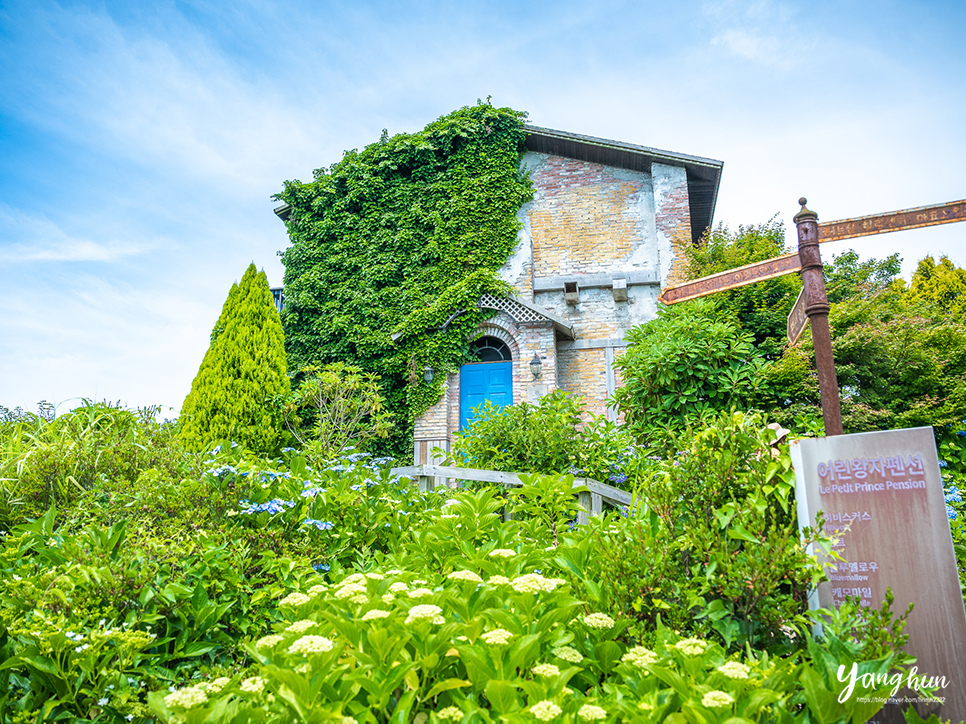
x=606 y=228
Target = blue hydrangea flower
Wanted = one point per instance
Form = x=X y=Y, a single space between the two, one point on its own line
x=951 y=512
x=954 y=496
x=321 y=567
x=320 y=524
x=276 y=505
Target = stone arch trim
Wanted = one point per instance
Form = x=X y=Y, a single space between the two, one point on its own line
x=503 y=332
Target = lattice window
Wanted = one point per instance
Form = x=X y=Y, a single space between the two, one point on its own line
x=512 y=307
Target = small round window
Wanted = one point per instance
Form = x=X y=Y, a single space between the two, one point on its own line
x=490 y=349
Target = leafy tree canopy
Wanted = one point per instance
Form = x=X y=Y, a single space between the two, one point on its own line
x=397 y=238
x=243 y=370
x=900 y=352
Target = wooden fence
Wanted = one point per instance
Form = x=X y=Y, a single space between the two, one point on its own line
x=592 y=500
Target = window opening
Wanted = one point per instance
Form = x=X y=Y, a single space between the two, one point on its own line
x=491 y=349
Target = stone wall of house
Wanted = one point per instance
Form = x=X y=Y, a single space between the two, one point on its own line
x=593 y=224
x=437 y=425
x=673 y=221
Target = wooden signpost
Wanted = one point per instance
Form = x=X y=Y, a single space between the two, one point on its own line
x=881 y=493
x=812 y=304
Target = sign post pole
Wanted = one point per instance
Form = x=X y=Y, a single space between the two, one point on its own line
x=816 y=308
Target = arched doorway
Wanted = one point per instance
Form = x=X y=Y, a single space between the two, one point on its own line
x=491 y=378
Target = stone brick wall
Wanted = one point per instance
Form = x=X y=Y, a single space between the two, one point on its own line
x=584 y=219
x=673 y=221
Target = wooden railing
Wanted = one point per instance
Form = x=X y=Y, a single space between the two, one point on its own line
x=592 y=499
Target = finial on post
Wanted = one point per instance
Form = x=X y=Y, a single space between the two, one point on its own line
x=805 y=214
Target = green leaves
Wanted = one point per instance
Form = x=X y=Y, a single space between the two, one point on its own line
x=398 y=237
x=243 y=369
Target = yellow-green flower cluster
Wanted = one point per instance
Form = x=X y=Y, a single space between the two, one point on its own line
x=546 y=710
x=465 y=576
x=450 y=712
x=294 y=599
x=253 y=685
x=310 y=645
x=534 y=583
x=187 y=698
x=598 y=620
x=691 y=647
x=268 y=642
x=717 y=699
x=427 y=610
x=640 y=657
x=502 y=553
x=546 y=670
x=497 y=637
x=734 y=670
x=568 y=654
x=589 y=712
x=300 y=626
x=375 y=614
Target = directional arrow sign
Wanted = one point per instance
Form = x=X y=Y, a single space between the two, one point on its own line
x=797 y=320
x=732 y=279
x=893 y=221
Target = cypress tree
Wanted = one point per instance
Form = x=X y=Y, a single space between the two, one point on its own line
x=243 y=369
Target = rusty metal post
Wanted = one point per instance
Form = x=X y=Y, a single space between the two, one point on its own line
x=816 y=308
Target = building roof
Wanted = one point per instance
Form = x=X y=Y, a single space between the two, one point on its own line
x=704 y=174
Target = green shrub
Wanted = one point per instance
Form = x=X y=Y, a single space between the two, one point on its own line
x=556 y=436
x=244 y=371
x=712 y=546
x=683 y=364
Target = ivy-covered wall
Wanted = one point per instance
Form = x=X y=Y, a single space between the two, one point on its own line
x=395 y=239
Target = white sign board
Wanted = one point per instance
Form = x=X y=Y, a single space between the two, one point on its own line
x=882 y=492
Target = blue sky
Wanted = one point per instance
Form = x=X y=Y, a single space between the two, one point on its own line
x=140 y=143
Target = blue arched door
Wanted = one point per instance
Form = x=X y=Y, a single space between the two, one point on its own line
x=483 y=381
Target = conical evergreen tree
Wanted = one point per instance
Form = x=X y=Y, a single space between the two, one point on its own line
x=243 y=368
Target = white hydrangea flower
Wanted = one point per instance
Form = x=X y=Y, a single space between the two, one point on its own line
x=354 y=578
x=426 y=610
x=347 y=720
x=734 y=670
x=300 y=626
x=374 y=614
x=546 y=670
x=360 y=599
x=533 y=583
x=717 y=699
x=691 y=647
x=294 y=599
x=268 y=642
x=350 y=590
x=546 y=710
x=568 y=654
x=439 y=620
x=640 y=657
x=502 y=553
x=465 y=576
x=253 y=685
x=216 y=685
x=303 y=668
x=420 y=592
x=589 y=712
x=497 y=637
x=310 y=645
x=317 y=589
x=450 y=712
x=598 y=620
x=388 y=598
x=398 y=587
x=187 y=698
x=375 y=576
x=498 y=580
